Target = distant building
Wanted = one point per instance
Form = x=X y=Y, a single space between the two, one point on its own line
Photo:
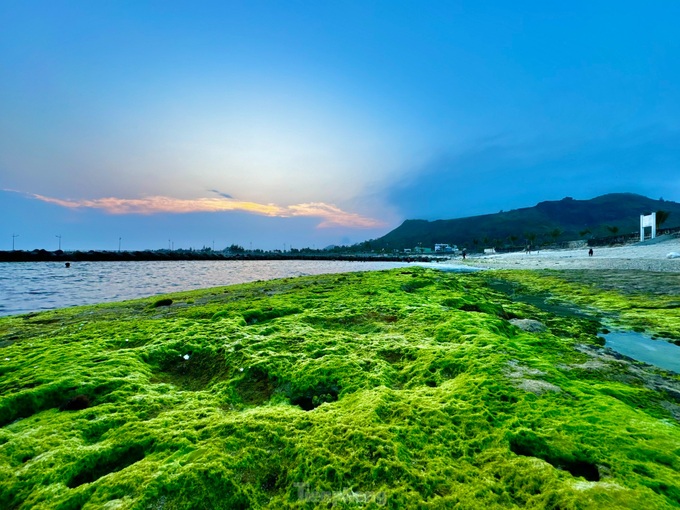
x=445 y=248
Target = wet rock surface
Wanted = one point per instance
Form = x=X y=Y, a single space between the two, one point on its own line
x=530 y=325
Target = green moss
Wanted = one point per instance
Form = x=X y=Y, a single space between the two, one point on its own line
x=646 y=302
x=400 y=389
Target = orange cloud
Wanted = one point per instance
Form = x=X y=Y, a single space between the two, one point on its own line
x=331 y=215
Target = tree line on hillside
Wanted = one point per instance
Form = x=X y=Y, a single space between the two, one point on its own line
x=499 y=232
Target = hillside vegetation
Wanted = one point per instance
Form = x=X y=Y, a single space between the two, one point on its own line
x=403 y=389
x=545 y=223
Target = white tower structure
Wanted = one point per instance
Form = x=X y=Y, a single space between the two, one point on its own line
x=647 y=221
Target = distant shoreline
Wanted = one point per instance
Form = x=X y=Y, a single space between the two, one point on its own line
x=163 y=255
x=646 y=256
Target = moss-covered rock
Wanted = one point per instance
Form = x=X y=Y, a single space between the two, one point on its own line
x=400 y=389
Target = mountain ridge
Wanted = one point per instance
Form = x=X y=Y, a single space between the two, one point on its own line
x=548 y=221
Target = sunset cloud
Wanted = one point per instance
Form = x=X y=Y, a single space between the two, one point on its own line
x=329 y=214
x=332 y=215
x=223 y=195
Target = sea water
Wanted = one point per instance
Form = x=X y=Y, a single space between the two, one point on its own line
x=36 y=286
x=641 y=347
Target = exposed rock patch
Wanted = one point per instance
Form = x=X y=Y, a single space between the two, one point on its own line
x=538 y=387
x=586 y=365
x=529 y=325
x=519 y=372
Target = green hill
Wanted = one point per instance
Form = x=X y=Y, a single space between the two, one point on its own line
x=546 y=222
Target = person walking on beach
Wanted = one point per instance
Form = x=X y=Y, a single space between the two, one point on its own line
x=464 y=254
x=590 y=252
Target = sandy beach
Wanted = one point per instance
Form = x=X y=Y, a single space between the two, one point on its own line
x=646 y=256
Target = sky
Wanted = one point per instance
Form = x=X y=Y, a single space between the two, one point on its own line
x=273 y=125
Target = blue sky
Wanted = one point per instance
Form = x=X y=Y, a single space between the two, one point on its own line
x=316 y=123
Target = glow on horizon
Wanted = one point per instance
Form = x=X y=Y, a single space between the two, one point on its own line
x=331 y=215
x=266 y=135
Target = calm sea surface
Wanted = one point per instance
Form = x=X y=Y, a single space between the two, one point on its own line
x=34 y=286
x=641 y=347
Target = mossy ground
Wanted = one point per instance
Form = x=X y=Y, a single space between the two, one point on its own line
x=642 y=301
x=400 y=389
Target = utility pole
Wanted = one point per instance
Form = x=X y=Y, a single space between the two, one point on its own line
x=14 y=236
x=119 y=240
x=59 y=237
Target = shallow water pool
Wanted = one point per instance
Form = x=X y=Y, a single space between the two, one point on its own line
x=660 y=353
